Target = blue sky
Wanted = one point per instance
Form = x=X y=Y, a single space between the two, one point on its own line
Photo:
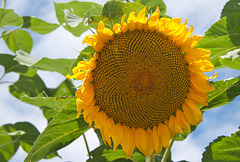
x=62 y=44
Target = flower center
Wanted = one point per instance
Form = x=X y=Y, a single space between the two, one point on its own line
x=140 y=79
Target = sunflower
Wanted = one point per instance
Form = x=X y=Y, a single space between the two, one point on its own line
x=144 y=82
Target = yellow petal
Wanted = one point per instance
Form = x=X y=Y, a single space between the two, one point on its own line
x=199 y=98
x=201 y=84
x=190 y=43
x=141 y=140
x=174 y=125
x=117 y=135
x=165 y=134
x=182 y=120
x=127 y=142
x=117 y=28
x=157 y=141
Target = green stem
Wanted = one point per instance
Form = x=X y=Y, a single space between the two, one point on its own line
x=148 y=159
x=85 y=140
x=6 y=82
x=3 y=3
x=167 y=151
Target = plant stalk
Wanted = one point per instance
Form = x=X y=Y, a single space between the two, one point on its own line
x=85 y=140
x=167 y=151
x=148 y=159
x=3 y=3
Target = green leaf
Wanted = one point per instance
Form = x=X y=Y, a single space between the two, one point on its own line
x=223 y=149
x=105 y=153
x=12 y=135
x=231 y=7
x=9 y=18
x=11 y=65
x=61 y=66
x=73 y=15
x=30 y=86
x=85 y=54
x=225 y=92
x=24 y=58
x=231 y=59
x=37 y=25
x=18 y=39
x=61 y=131
x=51 y=105
x=152 y=4
x=217 y=39
x=114 y=10
x=233 y=28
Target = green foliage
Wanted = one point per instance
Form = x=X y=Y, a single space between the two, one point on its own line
x=222 y=38
x=231 y=59
x=14 y=135
x=114 y=10
x=105 y=153
x=37 y=25
x=30 y=86
x=9 y=18
x=11 y=65
x=152 y=4
x=58 y=104
x=231 y=7
x=225 y=92
x=62 y=66
x=64 y=128
x=74 y=15
x=223 y=149
x=18 y=39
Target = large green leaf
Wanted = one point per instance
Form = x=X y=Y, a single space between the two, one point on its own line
x=231 y=59
x=231 y=7
x=51 y=105
x=233 y=28
x=114 y=10
x=37 y=25
x=30 y=86
x=62 y=66
x=223 y=149
x=11 y=65
x=225 y=92
x=11 y=136
x=105 y=153
x=18 y=39
x=218 y=39
x=9 y=18
x=61 y=131
x=152 y=4
x=74 y=16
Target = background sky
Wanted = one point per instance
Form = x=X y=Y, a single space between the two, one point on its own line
x=62 y=44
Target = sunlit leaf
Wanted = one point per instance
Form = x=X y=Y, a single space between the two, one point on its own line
x=61 y=66
x=152 y=4
x=231 y=7
x=18 y=39
x=61 y=131
x=11 y=65
x=223 y=149
x=85 y=54
x=217 y=39
x=233 y=28
x=30 y=86
x=23 y=58
x=12 y=135
x=37 y=25
x=225 y=92
x=74 y=15
x=114 y=10
x=105 y=153
x=231 y=59
x=9 y=18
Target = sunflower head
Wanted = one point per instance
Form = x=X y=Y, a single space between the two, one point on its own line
x=144 y=82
